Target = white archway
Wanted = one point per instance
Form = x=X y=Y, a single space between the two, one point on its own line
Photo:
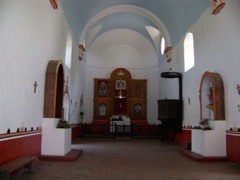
x=127 y=8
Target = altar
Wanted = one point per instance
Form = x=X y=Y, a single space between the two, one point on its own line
x=122 y=123
x=120 y=96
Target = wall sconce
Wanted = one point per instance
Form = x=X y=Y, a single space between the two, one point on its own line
x=238 y=107
x=168 y=53
x=189 y=101
x=238 y=88
x=81 y=117
x=217 y=5
x=81 y=100
x=81 y=51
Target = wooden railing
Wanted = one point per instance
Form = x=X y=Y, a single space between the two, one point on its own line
x=113 y=131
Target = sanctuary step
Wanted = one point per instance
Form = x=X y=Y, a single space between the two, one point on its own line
x=197 y=157
x=73 y=155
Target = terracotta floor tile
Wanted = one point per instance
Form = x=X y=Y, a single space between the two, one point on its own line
x=134 y=160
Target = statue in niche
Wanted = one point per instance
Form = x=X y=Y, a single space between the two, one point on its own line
x=210 y=96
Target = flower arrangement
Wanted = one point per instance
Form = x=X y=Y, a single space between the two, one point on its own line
x=62 y=124
x=204 y=124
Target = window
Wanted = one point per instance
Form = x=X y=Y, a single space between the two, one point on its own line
x=68 y=53
x=162 y=45
x=188 y=52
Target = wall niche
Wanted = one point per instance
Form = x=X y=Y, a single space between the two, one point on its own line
x=211 y=108
x=211 y=97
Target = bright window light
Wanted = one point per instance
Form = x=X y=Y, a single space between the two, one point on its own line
x=68 y=53
x=188 y=52
x=162 y=45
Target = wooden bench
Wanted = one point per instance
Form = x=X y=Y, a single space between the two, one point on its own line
x=16 y=167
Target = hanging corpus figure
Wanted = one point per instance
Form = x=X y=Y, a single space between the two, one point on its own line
x=210 y=96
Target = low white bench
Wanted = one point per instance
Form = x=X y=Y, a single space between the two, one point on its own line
x=16 y=167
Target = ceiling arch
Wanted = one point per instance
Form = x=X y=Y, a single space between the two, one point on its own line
x=125 y=17
x=125 y=21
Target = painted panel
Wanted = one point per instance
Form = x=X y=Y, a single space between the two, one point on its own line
x=22 y=146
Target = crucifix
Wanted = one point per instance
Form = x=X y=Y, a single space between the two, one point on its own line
x=35 y=86
x=238 y=88
x=66 y=86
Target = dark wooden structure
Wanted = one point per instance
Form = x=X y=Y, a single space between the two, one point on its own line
x=170 y=110
x=120 y=95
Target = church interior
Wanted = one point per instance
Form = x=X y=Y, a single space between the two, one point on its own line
x=160 y=70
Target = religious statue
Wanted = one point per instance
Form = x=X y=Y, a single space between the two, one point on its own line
x=210 y=96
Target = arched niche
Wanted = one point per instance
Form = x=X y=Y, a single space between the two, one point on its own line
x=54 y=85
x=211 y=103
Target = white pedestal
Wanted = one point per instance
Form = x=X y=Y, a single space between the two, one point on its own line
x=55 y=141
x=210 y=142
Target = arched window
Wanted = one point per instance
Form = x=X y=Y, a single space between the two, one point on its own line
x=68 y=53
x=162 y=45
x=188 y=52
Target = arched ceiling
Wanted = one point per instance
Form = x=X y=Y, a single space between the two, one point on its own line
x=172 y=18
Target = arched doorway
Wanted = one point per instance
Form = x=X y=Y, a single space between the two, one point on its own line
x=54 y=84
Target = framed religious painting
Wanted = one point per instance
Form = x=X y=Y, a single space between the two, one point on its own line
x=120 y=84
x=102 y=87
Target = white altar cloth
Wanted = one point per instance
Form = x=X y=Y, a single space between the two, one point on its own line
x=124 y=120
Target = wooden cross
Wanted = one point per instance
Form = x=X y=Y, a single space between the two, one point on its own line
x=35 y=86
x=238 y=88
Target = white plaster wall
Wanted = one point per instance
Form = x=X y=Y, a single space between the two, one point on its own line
x=31 y=35
x=169 y=88
x=76 y=78
x=216 y=41
x=122 y=48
